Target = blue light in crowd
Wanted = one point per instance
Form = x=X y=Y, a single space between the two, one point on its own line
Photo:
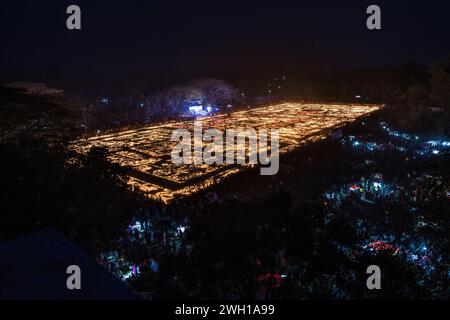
x=377 y=185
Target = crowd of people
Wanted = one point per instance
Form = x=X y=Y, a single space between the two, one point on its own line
x=396 y=200
x=421 y=195
x=153 y=232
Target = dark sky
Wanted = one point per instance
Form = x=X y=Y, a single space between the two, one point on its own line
x=195 y=37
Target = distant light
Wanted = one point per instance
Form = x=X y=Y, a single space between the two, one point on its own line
x=196 y=110
x=357 y=97
x=435 y=151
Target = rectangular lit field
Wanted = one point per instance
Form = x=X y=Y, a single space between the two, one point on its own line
x=146 y=152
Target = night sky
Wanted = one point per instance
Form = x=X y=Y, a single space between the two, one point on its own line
x=193 y=37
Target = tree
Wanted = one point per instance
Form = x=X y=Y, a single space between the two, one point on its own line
x=173 y=101
x=440 y=82
x=440 y=89
x=216 y=91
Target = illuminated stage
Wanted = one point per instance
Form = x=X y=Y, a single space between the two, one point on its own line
x=146 y=152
